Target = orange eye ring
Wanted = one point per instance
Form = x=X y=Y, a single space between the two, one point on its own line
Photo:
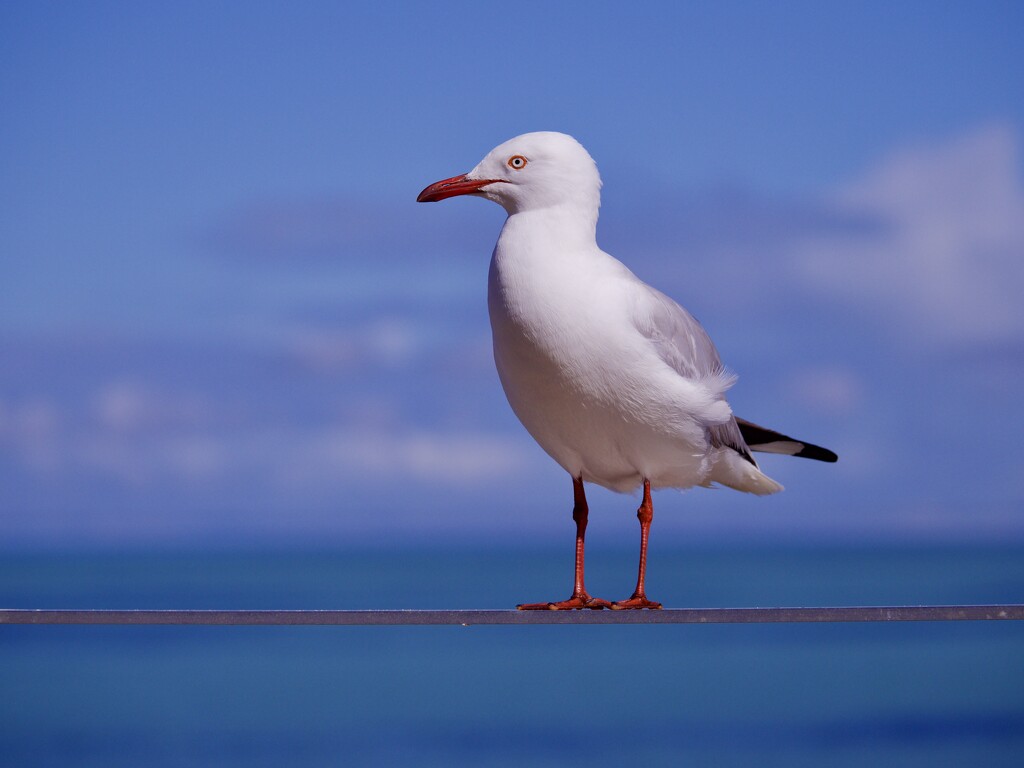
x=517 y=162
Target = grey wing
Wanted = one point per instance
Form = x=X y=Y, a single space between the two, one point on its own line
x=682 y=342
x=678 y=337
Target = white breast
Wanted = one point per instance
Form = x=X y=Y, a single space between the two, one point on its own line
x=585 y=383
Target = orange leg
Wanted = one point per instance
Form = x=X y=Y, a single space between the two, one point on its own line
x=645 y=515
x=580 y=598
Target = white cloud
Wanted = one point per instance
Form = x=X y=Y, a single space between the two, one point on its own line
x=445 y=458
x=141 y=438
x=122 y=406
x=388 y=341
x=947 y=264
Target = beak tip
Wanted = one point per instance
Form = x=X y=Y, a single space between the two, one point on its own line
x=456 y=185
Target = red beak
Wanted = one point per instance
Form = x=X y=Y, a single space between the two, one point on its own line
x=456 y=185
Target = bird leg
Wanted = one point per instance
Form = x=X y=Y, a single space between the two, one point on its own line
x=645 y=515
x=579 y=598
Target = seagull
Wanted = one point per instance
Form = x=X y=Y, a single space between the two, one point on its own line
x=618 y=383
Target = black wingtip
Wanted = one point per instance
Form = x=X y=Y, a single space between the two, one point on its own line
x=817 y=453
x=756 y=436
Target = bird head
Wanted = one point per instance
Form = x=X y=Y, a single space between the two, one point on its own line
x=530 y=172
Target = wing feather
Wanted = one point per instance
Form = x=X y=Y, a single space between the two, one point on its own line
x=683 y=344
x=770 y=441
x=678 y=337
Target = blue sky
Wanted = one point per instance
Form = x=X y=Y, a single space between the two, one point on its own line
x=223 y=319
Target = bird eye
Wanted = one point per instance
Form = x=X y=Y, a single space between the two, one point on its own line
x=517 y=162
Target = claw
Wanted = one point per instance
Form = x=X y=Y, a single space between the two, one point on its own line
x=635 y=603
x=574 y=603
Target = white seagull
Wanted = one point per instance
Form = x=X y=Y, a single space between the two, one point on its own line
x=617 y=383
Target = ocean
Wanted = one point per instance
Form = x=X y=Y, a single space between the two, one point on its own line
x=907 y=694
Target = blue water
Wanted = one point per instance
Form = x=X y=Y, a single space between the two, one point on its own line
x=928 y=694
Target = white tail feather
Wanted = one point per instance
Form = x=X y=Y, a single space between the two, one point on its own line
x=732 y=470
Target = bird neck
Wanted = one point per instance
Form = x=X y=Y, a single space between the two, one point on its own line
x=561 y=227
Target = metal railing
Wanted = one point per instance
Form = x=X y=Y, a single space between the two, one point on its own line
x=490 y=617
